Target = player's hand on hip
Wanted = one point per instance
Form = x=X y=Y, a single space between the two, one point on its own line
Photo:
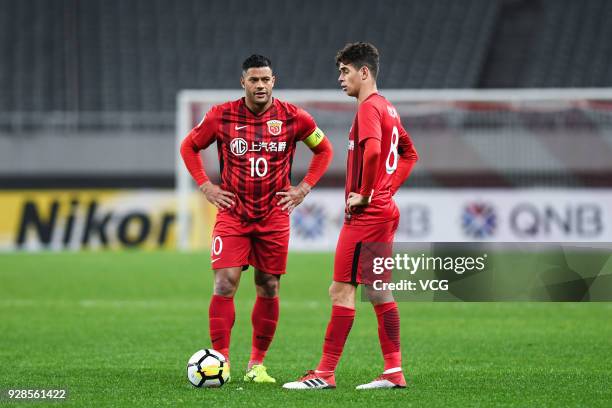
x=356 y=200
x=293 y=197
x=217 y=196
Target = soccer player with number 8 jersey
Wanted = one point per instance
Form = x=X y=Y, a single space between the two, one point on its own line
x=380 y=158
x=256 y=138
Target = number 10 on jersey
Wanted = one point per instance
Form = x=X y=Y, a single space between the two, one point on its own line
x=259 y=166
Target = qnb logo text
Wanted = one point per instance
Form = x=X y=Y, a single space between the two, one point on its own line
x=581 y=220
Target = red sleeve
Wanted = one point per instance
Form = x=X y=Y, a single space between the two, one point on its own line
x=306 y=124
x=408 y=156
x=369 y=122
x=323 y=154
x=203 y=135
x=371 y=156
x=199 y=138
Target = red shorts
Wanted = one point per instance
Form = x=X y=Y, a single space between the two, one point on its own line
x=263 y=243
x=353 y=241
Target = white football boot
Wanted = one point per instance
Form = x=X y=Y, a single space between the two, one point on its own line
x=312 y=380
x=392 y=378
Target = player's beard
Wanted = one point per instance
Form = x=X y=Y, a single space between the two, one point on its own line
x=260 y=101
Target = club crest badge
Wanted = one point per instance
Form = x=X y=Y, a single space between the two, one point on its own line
x=275 y=127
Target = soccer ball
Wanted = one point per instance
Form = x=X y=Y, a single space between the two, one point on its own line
x=208 y=368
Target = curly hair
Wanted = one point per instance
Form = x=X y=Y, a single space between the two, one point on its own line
x=256 y=61
x=359 y=54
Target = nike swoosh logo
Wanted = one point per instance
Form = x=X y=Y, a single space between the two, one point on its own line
x=214 y=260
x=239 y=127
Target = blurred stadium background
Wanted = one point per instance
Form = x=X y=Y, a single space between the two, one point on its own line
x=503 y=99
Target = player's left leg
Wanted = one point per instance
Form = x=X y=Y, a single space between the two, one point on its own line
x=387 y=315
x=264 y=319
x=270 y=245
x=389 y=337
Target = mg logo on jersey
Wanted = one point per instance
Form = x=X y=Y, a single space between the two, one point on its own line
x=351 y=145
x=239 y=146
x=275 y=127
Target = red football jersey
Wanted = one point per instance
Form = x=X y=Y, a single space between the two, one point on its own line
x=376 y=118
x=255 y=151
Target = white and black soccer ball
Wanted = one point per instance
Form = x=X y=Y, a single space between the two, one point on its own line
x=208 y=368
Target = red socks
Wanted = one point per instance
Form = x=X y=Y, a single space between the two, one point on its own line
x=389 y=334
x=340 y=325
x=221 y=316
x=264 y=319
x=337 y=332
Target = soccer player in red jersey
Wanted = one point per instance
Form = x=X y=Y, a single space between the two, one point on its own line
x=256 y=138
x=380 y=158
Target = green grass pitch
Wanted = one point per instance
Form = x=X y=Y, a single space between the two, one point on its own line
x=117 y=329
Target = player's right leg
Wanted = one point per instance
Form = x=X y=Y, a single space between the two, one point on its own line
x=230 y=250
x=221 y=312
x=338 y=328
x=342 y=293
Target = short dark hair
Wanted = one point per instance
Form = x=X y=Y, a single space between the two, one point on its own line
x=256 y=61
x=359 y=54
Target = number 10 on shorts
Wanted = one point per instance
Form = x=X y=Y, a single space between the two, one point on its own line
x=217 y=246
